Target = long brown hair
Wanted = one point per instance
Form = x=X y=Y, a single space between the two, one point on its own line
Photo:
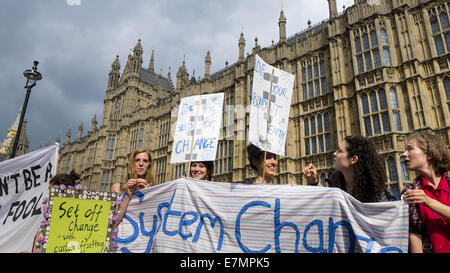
x=435 y=148
x=369 y=173
x=131 y=174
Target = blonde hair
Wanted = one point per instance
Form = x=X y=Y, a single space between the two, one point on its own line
x=434 y=147
x=132 y=174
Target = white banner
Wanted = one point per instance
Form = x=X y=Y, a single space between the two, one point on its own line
x=280 y=104
x=188 y=215
x=198 y=125
x=23 y=187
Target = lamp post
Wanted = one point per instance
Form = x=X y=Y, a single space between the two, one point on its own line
x=33 y=76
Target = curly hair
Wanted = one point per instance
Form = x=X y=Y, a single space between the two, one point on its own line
x=434 y=147
x=369 y=172
x=131 y=172
x=65 y=179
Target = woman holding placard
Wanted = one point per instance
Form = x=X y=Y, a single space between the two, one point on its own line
x=140 y=176
x=265 y=169
x=358 y=171
x=429 y=195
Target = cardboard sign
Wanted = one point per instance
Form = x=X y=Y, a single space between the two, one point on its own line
x=188 y=215
x=24 y=184
x=79 y=221
x=270 y=105
x=197 y=130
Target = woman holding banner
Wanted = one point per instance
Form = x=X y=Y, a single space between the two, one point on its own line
x=202 y=170
x=265 y=169
x=358 y=171
x=140 y=176
x=429 y=195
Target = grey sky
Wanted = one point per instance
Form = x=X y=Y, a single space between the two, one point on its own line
x=76 y=41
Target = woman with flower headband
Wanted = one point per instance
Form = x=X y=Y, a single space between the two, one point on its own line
x=429 y=195
x=140 y=176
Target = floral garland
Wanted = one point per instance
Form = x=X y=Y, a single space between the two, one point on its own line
x=41 y=243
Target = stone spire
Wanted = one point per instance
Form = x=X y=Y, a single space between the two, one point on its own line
x=169 y=79
x=207 y=65
x=67 y=140
x=94 y=124
x=332 y=6
x=114 y=74
x=182 y=76
x=80 y=131
x=282 y=27
x=22 y=146
x=241 y=47
x=151 y=66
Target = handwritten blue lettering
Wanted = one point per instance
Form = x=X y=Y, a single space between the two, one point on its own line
x=259 y=67
x=182 y=146
x=237 y=230
x=204 y=143
x=279 y=226
x=263 y=104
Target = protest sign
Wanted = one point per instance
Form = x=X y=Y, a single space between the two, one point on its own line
x=23 y=186
x=78 y=221
x=270 y=105
x=197 y=130
x=188 y=215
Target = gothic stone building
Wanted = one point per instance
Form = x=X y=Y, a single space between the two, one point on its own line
x=378 y=69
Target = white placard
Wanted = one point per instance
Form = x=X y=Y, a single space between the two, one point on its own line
x=198 y=125
x=280 y=104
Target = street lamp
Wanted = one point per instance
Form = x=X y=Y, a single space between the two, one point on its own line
x=33 y=76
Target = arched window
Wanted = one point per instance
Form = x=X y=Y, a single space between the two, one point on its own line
x=392 y=169
x=324 y=85
x=322 y=68
x=393 y=96
x=444 y=19
x=319 y=124
x=306 y=127
x=447 y=87
x=326 y=119
x=383 y=102
x=141 y=136
x=387 y=56
x=383 y=36
x=405 y=173
x=434 y=24
x=366 y=45
x=305 y=92
x=365 y=104
x=373 y=38
x=326 y=122
x=313 y=126
x=373 y=102
x=357 y=44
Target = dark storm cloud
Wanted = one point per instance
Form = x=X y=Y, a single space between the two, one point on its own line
x=76 y=45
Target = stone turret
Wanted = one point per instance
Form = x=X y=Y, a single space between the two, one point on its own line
x=282 y=27
x=207 y=65
x=241 y=48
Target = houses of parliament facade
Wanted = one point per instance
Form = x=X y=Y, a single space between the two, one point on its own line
x=379 y=70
